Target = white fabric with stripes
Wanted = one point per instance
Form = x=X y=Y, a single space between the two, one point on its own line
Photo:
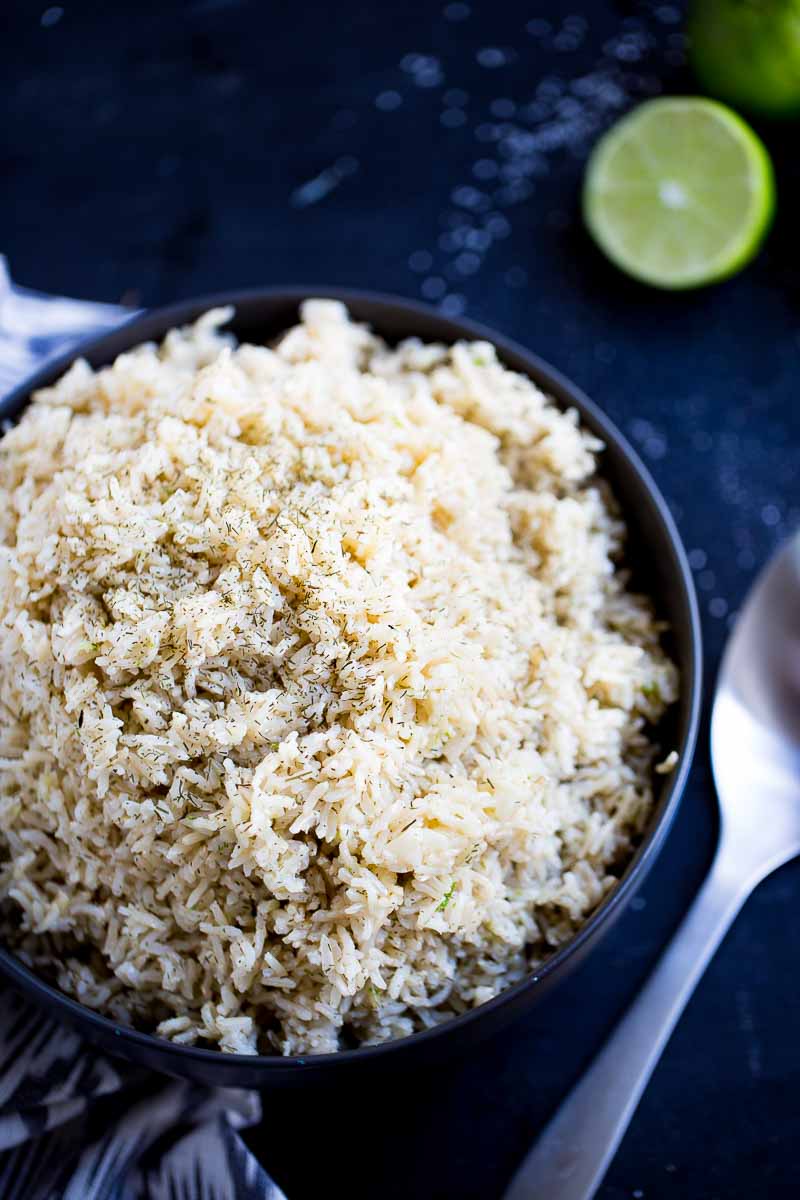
x=73 y=1124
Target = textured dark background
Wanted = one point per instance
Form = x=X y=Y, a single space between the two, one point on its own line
x=154 y=151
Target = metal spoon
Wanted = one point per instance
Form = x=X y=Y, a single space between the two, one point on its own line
x=755 y=752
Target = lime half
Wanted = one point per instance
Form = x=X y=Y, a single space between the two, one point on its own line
x=679 y=193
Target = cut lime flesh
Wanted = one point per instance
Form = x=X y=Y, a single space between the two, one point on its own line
x=679 y=193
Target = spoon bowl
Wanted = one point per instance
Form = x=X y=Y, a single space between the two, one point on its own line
x=755 y=723
x=755 y=753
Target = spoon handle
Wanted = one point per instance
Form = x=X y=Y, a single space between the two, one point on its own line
x=574 y=1150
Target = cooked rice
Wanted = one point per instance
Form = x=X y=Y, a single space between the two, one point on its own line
x=324 y=703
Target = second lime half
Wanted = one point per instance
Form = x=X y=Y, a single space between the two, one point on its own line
x=747 y=52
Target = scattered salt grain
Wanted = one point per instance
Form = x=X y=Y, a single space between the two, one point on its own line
x=493 y=56
x=388 y=101
x=456 y=12
x=433 y=287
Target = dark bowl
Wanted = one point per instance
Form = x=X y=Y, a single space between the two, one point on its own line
x=659 y=565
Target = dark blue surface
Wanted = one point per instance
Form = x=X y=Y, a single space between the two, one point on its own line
x=157 y=151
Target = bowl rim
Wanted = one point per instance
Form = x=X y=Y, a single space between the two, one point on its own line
x=149 y=324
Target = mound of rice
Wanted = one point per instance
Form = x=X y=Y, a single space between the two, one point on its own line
x=324 y=706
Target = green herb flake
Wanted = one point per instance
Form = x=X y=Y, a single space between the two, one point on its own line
x=652 y=692
x=446 y=898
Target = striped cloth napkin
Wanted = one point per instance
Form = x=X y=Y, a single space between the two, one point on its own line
x=75 y=1125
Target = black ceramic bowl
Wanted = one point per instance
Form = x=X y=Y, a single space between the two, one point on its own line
x=658 y=561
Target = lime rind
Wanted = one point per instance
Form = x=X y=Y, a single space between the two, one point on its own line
x=608 y=188
x=748 y=53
